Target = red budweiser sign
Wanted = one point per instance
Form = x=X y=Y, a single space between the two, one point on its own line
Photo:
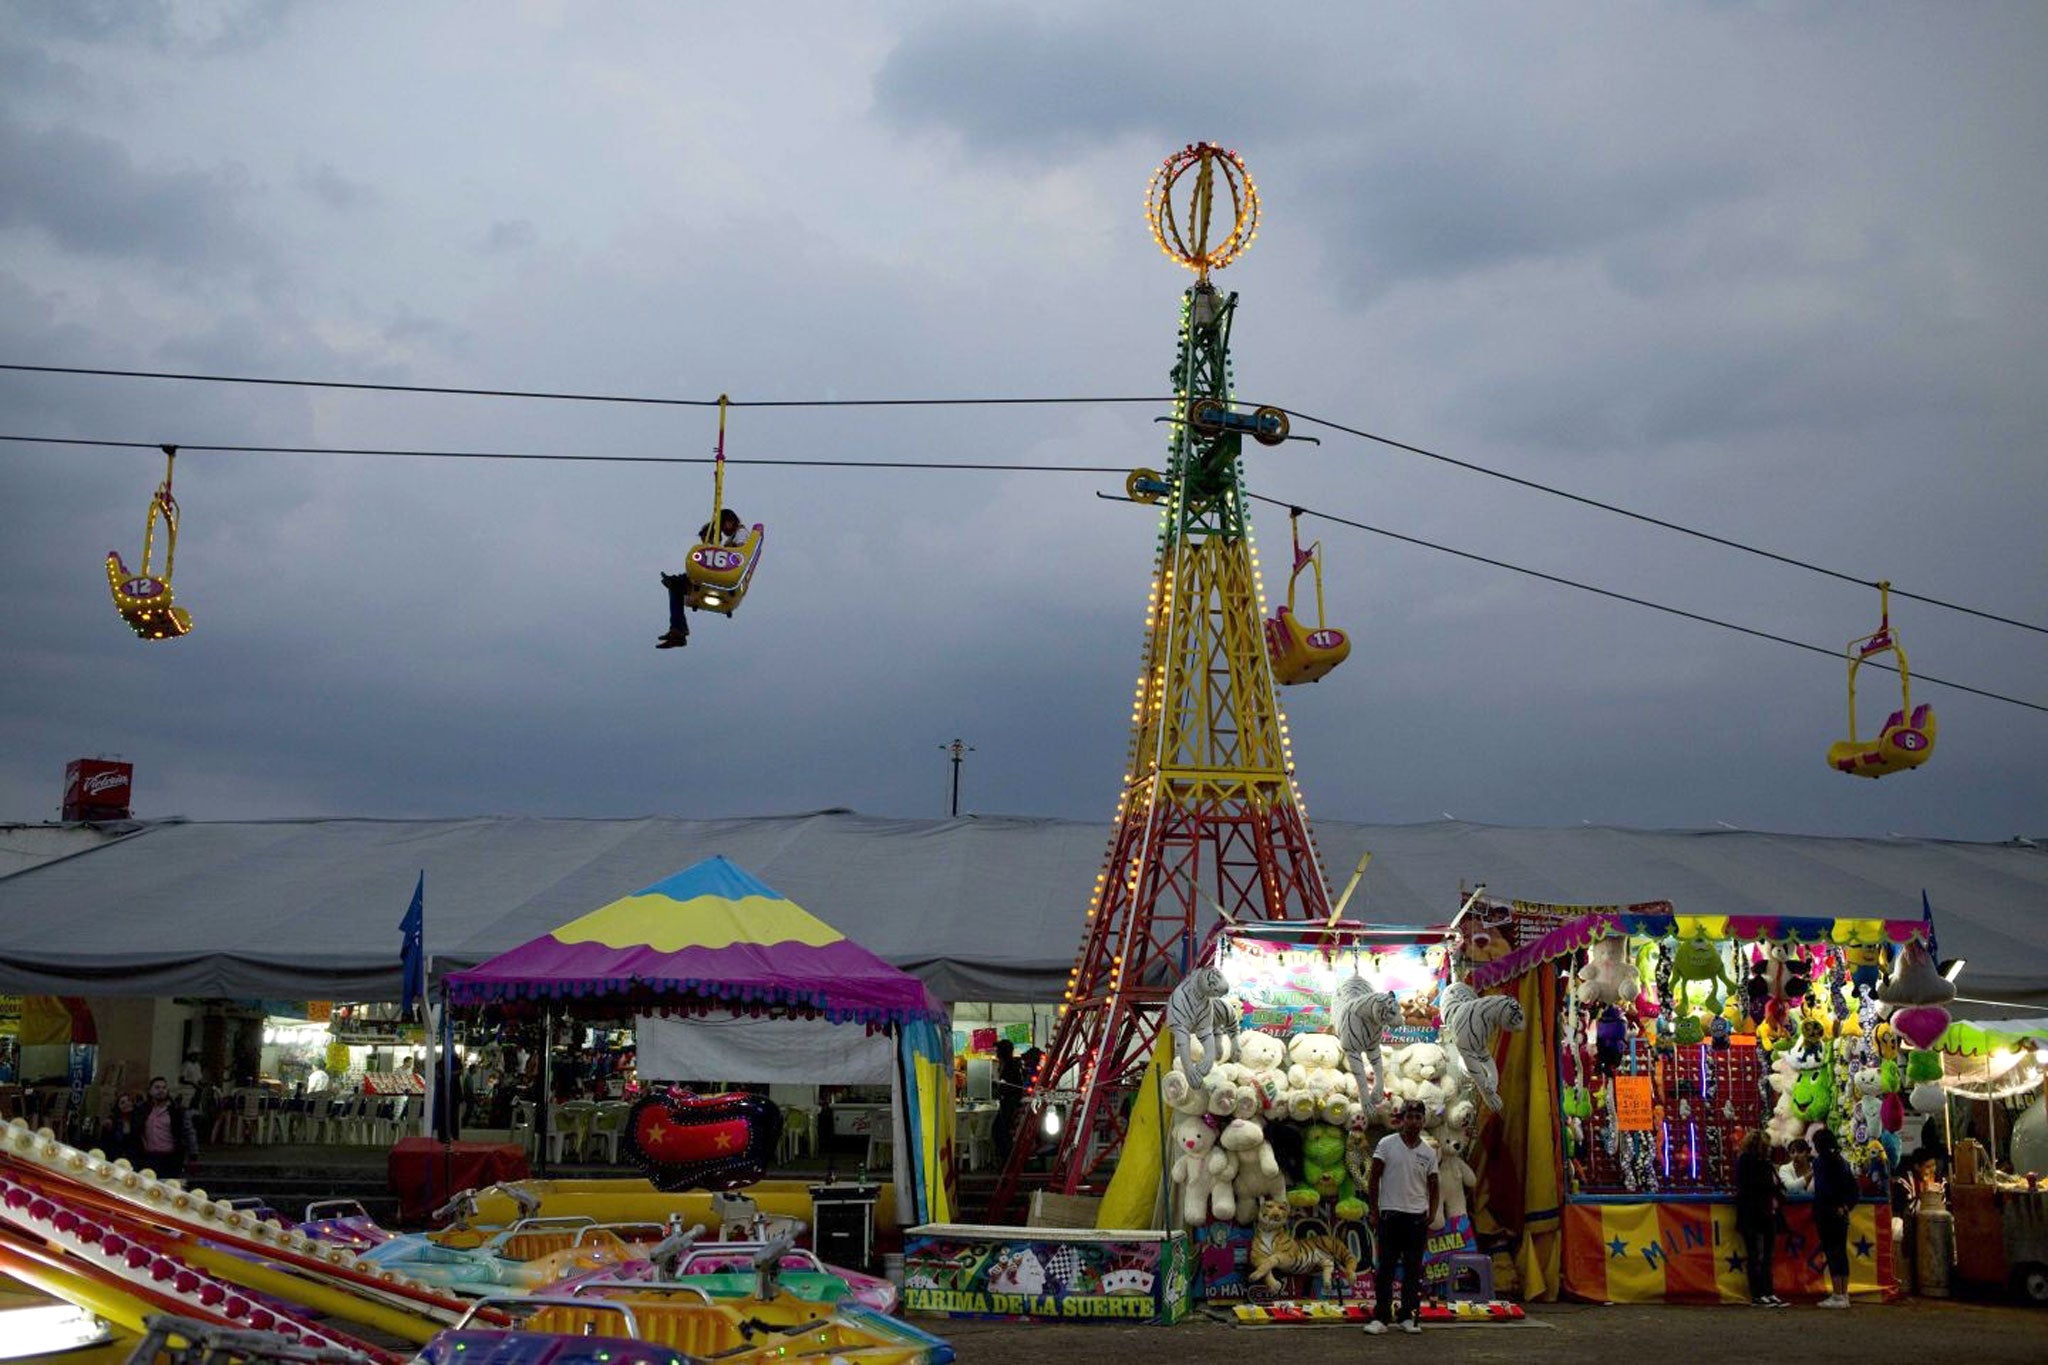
x=97 y=789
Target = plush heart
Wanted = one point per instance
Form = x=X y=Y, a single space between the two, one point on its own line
x=1920 y=1025
x=686 y=1141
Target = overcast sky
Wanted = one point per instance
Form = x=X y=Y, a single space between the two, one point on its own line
x=1771 y=271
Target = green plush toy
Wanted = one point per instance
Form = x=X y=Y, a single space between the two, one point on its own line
x=1323 y=1175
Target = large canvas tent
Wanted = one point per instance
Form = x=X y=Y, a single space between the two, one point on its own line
x=713 y=940
x=983 y=908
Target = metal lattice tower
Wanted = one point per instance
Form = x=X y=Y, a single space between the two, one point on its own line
x=1209 y=818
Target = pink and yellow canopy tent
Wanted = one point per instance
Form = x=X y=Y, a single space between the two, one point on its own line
x=713 y=939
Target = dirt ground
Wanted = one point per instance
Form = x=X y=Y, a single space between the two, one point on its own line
x=1919 y=1330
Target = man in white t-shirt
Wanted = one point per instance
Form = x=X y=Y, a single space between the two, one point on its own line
x=1402 y=1192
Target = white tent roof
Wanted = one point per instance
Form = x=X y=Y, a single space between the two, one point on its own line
x=984 y=908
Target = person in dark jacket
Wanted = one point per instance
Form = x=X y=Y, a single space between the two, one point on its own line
x=1759 y=1203
x=121 y=1134
x=1835 y=1196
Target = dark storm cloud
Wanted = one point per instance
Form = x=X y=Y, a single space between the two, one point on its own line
x=160 y=25
x=1012 y=79
x=90 y=196
x=1448 y=207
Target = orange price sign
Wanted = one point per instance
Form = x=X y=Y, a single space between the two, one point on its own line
x=1634 y=1105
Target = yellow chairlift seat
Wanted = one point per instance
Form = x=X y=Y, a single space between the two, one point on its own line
x=144 y=598
x=719 y=574
x=1303 y=653
x=1906 y=739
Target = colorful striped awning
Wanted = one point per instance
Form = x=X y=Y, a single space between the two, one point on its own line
x=709 y=937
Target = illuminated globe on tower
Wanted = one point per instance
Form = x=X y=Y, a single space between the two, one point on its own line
x=1209 y=822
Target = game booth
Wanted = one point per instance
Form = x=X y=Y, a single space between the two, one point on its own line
x=1656 y=1041
x=1244 y=1168
x=727 y=978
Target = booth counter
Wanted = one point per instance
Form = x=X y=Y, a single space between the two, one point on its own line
x=1050 y=1274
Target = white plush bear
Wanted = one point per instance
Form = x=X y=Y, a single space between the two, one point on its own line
x=1258 y=1170
x=1455 y=1179
x=1182 y=1095
x=1316 y=1075
x=1200 y=1170
x=1419 y=1074
x=1262 y=1065
x=1608 y=978
x=1222 y=1092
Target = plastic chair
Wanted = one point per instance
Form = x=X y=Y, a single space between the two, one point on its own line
x=607 y=1126
x=978 y=1137
x=570 y=1123
x=319 y=1119
x=882 y=1145
x=248 y=1127
x=799 y=1132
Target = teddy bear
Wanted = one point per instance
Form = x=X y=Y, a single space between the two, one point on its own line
x=1420 y=1073
x=1609 y=977
x=1261 y=1065
x=1318 y=1085
x=1203 y=1171
x=1258 y=1169
x=1324 y=1174
x=1223 y=1092
x=1455 y=1179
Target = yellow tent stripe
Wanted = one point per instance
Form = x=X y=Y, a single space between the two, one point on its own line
x=702 y=922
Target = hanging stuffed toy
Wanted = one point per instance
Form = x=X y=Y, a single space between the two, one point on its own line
x=1194 y=1012
x=1472 y=1022
x=1919 y=996
x=1360 y=1017
x=1610 y=1039
x=1697 y=961
x=1608 y=978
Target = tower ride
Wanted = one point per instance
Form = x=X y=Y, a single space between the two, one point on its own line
x=1209 y=822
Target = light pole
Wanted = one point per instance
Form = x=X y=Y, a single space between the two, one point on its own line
x=959 y=752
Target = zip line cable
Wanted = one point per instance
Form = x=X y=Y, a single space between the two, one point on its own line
x=1638 y=601
x=563 y=397
x=1659 y=521
x=1358 y=432
x=1041 y=469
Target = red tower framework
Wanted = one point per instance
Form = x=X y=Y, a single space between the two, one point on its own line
x=1209 y=824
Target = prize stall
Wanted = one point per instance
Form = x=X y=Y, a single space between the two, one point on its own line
x=1665 y=1038
x=1250 y=1142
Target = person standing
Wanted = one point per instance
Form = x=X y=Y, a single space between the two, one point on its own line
x=1835 y=1196
x=1402 y=1193
x=1759 y=1204
x=1010 y=1083
x=122 y=1134
x=1796 y=1175
x=167 y=1136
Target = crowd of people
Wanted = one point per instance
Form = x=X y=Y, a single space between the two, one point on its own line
x=1813 y=1169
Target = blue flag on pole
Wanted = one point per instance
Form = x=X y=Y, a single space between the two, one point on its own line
x=1927 y=918
x=412 y=957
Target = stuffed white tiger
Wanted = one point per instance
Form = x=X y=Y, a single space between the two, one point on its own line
x=1195 y=1015
x=1360 y=1017
x=1471 y=1022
